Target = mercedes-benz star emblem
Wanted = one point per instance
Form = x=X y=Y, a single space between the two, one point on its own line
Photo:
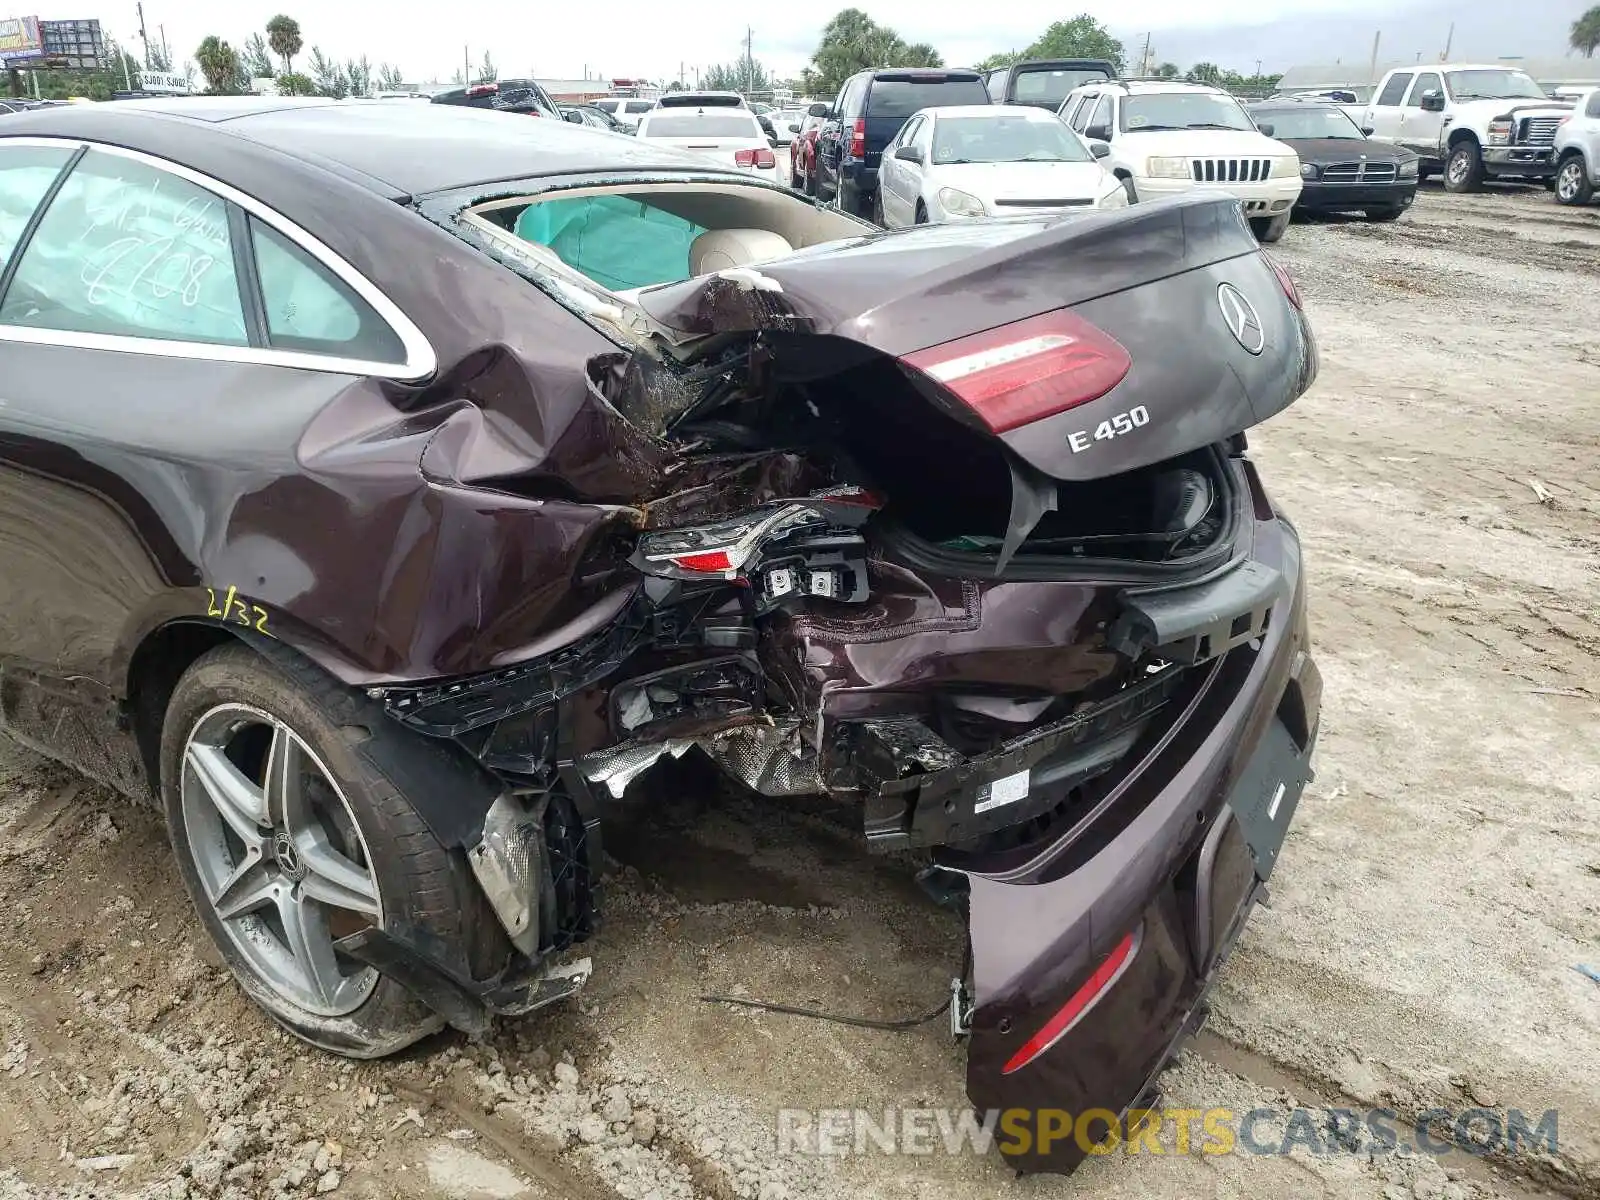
x=288 y=856
x=1241 y=318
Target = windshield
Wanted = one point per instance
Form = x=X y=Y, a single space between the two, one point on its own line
x=1183 y=110
x=639 y=106
x=667 y=123
x=1050 y=87
x=1004 y=139
x=1494 y=85
x=902 y=97
x=1307 y=123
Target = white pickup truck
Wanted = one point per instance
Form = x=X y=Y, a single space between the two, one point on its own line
x=1468 y=122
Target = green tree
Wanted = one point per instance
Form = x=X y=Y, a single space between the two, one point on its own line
x=853 y=42
x=328 y=75
x=219 y=63
x=389 y=78
x=995 y=61
x=488 y=73
x=738 y=76
x=256 y=58
x=1169 y=70
x=1205 y=72
x=293 y=83
x=675 y=86
x=358 y=71
x=158 y=58
x=1585 y=35
x=283 y=35
x=1081 y=37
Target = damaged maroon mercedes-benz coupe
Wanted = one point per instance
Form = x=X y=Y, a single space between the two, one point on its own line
x=387 y=491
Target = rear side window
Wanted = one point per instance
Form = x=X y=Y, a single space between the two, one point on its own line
x=640 y=106
x=902 y=97
x=608 y=106
x=1394 y=91
x=1051 y=87
x=666 y=123
x=26 y=173
x=128 y=249
x=997 y=84
x=308 y=308
x=1592 y=109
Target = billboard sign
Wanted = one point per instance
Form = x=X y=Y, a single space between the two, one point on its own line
x=20 y=40
x=162 y=83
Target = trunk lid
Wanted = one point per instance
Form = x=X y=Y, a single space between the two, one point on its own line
x=1168 y=281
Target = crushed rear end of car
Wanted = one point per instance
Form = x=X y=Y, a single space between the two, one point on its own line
x=957 y=526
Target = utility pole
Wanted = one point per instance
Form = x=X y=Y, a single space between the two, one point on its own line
x=127 y=76
x=166 y=50
x=1258 y=68
x=143 y=36
x=1448 y=39
x=749 y=60
x=1372 y=67
x=1144 y=63
x=466 y=66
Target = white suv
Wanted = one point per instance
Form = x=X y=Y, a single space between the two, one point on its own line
x=1167 y=138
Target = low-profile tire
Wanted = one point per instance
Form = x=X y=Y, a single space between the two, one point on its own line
x=1573 y=186
x=1385 y=214
x=1463 y=170
x=1270 y=229
x=288 y=838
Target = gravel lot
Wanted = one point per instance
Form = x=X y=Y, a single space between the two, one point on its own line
x=1441 y=883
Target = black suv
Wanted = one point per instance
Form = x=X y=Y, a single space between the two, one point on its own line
x=508 y=95
x=864 y=119
x=1045 y=82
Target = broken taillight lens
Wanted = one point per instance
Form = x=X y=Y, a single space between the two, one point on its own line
x=1070 y=1013
x=1028 y=370
x=754 y=158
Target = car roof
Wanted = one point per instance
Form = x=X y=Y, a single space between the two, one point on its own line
x=1010 y=112
x=396 y=150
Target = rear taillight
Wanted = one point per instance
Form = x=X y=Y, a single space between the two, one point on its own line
x=1070 y=1013
x=1285 y=280
x=483 y=89
x=1028 y=370
x=754 y=158
x=858 y=139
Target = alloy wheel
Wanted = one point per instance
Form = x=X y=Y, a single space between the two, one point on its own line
x=1568 y=182
x=1458 y=168
x=279 y=856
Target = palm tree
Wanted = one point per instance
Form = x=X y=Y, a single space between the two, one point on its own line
x=1585 y=35
x=219 y=63
x=283 y=35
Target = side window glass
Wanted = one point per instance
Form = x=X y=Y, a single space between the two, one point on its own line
x=1394 y=91
x=1592 y=109
x=1080 y=115
x=997 y=85
x=310 y=309
x=1426 y=82
x=126 y=248
x=1102 y=114
x=26 y=173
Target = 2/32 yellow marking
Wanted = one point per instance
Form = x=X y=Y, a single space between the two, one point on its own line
x=251 y=616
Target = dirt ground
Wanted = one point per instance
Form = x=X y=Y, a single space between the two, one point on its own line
x=1440 y=886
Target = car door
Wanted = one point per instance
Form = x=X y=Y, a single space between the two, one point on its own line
x=1420 y=129
x=148 y=380
x=1387 y=110
x=830 y=146
x=901 y=180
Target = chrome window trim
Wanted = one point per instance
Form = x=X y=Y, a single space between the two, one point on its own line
x=420 y=360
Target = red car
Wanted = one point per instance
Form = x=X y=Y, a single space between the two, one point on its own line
x=803 y=155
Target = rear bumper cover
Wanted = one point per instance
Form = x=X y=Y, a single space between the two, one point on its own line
x=1175 y=855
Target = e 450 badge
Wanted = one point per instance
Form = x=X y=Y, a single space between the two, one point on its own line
x=1112 y=427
